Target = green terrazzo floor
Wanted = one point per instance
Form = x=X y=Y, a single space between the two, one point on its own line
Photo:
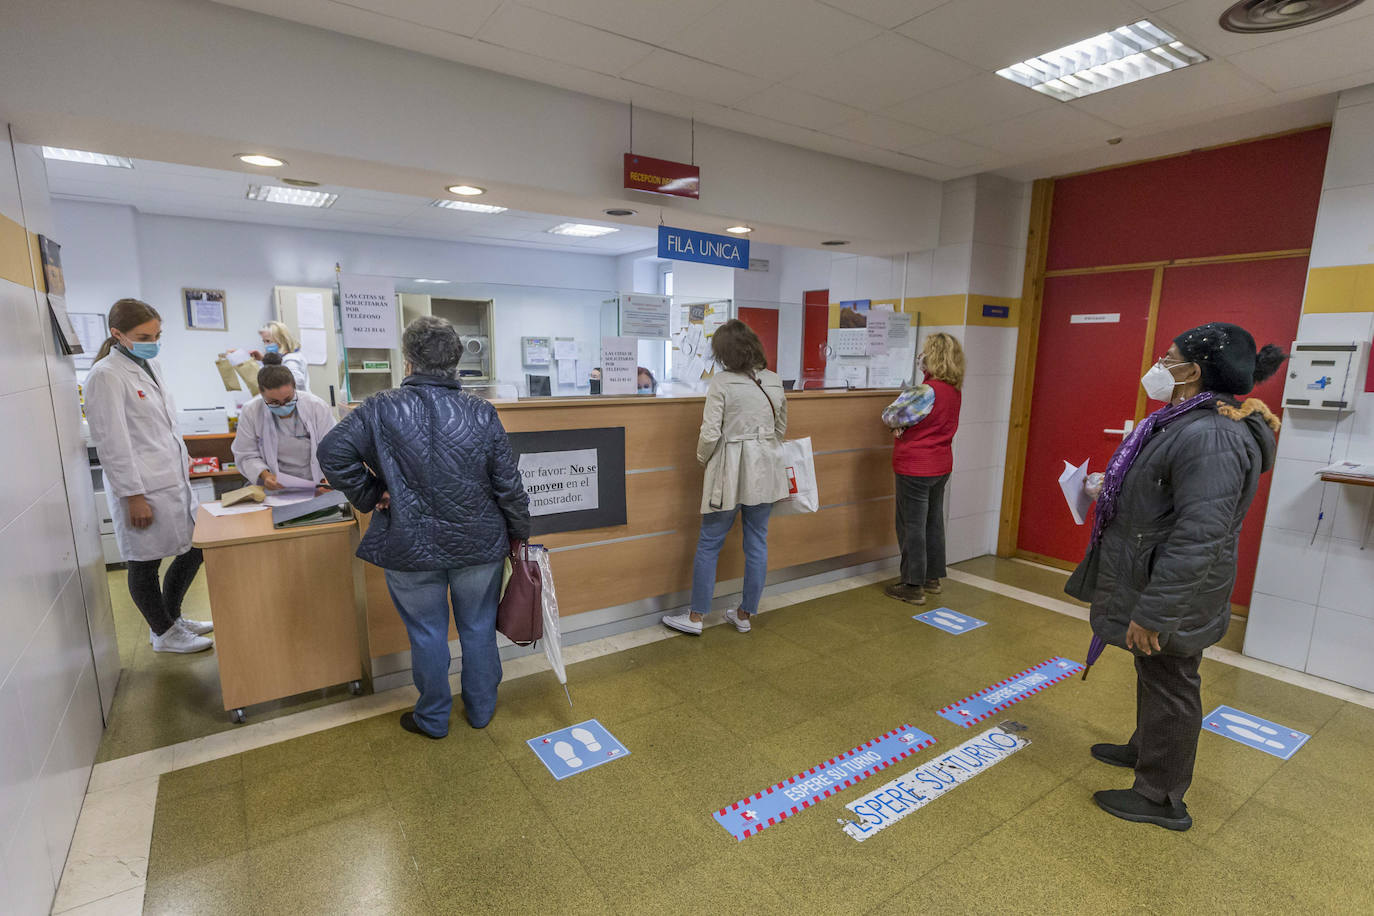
x=369 y=819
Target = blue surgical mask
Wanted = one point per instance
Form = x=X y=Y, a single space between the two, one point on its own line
x=144 y=349
x=271 y=348
x=283 y=410
x=648 y=390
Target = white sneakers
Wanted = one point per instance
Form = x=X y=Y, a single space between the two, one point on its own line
x=686 y=624
x=183 y=638
x=198 y=627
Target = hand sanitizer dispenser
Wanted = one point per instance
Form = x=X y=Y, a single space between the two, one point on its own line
x=1321 y=376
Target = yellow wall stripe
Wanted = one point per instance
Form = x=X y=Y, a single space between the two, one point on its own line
x=1349 y=288
x=937 y=310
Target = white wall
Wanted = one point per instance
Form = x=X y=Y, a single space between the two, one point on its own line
x=247 y=260
x=50 y=705
x=1311 y=607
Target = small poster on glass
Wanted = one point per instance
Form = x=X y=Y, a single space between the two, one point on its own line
x=204 y=309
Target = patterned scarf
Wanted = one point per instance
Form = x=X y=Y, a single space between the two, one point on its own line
x=1127 y=453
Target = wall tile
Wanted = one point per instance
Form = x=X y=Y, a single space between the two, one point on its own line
x=975 y=492
x=62 y=784
x=1347 y=161
x=31 y=889
x=1340 y=648
x=45 y=684
x=17 y=780
x=919 y=266
x=1335 y=326
x=969 y=537
x=19 y=617
x=1348 y=579
x=980 y=445
x=1354 y=507
x=986 y=398
x=1279 y=630
x=990 y=351
x=996 y=270
x=957 y=215
x=1290 y=566
x=1295 y=493
x=1342 y=235
x=950 y=271
x=1313 y=435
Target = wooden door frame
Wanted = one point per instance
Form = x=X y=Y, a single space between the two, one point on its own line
x=1028 y=345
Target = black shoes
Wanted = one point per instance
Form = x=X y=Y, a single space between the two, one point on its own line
x=1130 y=805
x=1118 y=755
x=409 y=724
x=911 y=594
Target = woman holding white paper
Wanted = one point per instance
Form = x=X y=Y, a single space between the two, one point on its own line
x=279 y=432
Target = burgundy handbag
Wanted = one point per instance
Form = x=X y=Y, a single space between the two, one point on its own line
x=520 y=616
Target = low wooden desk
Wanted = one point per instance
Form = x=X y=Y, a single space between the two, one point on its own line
x=287 y=606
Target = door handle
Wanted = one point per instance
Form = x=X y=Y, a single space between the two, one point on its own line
x=1126 y=429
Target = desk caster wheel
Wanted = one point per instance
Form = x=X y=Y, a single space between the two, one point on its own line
x=355 y=688
x=239 y=716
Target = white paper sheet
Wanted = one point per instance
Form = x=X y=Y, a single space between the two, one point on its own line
x=619 y=360
x=237 y=357
x=295 y=483
x=310 y=310
x=1071 y=482
x=567 y=372
x=315 y=346
x=216 y=509
x=287 y=497
x=564 y=349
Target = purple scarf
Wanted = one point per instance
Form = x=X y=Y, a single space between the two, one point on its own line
x=1127 y=453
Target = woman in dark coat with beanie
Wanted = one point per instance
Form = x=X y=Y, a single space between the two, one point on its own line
x=1162 y=562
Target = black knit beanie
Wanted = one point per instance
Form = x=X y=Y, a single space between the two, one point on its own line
x=1224 y=352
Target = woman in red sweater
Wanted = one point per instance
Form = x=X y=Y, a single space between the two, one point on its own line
x=924 y=420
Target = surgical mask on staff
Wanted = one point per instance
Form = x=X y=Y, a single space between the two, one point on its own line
x=1159 y=382
x=283 y=410
x=144 y=349
x=271 y=348
x=646 y=389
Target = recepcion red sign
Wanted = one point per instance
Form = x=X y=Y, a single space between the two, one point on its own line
x=644 y=173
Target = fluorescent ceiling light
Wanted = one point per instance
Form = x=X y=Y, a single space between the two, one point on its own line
x=582 y=230
x=267 y=162
x=740 y=230
x=77 y=155
x=423 y=280
x=1133 y=52
x=467 y=190
x=300 y=197
x=467 y=205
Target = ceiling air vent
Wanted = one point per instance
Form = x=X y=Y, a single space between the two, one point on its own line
x=1253 y=16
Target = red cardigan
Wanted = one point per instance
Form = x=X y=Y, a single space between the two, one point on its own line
x=926 y=449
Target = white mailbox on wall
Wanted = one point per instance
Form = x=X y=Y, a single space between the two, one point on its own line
x=1323 y=375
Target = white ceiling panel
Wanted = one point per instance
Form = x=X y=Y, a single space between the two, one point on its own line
x=690 y=77
x=773 y=39
x=887 y=13
x=882 y=72
x=462 y=16
x=654 y=21
x=1311 y=57
x=792 y=106
x=1177 y=94
x=983 y=99
x=884 y=133
x=1196 y=22
x=1053 y=128
x=958 y=154
x=545 y=35
x=998 y=33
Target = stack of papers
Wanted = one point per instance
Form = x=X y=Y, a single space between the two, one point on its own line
x=1075 y=494
x=1349 y=468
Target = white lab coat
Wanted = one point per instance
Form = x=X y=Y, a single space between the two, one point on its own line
x=295 y=361
x=255 y=441
x=134 y=430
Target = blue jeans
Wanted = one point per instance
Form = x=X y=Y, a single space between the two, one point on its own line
x=422 y=599
x=714 y=527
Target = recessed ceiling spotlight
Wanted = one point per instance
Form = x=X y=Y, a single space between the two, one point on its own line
x=466 y=190
x=300 y=182
x=1253 y=16
x=79 y=155
x=740 y=230
x=834 y=242
x=1133 y=52
x=259 y=159
x=1113 y=141
x=619 y=211
x=582 y=230
x=465 y=205
x=299 y=197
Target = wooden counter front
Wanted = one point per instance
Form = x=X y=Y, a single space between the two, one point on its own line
x=287 y=614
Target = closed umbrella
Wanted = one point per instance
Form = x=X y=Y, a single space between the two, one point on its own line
x=553 y=639
x=1094 y=652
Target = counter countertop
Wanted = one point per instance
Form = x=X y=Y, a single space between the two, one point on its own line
x=643 y=401
x=249 y=527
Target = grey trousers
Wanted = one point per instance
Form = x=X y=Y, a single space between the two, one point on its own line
x=1168 y=719
x=921 y=527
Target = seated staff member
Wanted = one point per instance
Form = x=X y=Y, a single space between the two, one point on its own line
x=280 y=430
x=277 y=338
x=146 y=467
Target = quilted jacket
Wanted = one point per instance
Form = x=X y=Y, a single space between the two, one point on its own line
x=443 y=455
x=1168 y=559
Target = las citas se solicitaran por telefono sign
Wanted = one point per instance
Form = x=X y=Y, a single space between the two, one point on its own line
x=560 y=482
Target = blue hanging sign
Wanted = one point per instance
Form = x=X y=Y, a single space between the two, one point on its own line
x=994 y=699
x=942 y=618
x=703 y=247
x=1252 y=731
x=780 y=801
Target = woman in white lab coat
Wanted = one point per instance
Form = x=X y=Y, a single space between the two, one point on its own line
x=277 y=338
x=134 y=430
x=280 y=429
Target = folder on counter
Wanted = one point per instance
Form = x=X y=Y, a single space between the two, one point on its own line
x=320 y=510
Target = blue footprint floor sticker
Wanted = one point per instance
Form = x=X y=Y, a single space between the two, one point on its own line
x=942 y=618
x=578 y=748
x=1252 y=731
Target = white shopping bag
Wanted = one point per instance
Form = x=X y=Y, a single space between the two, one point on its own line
x=552 y=639
x=801 y=479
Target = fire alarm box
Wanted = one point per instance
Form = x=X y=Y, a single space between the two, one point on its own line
x=1321 y=376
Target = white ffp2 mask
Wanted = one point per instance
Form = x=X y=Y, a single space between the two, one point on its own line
x=1159 y=383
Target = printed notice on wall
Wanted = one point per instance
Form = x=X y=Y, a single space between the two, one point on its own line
x=560 y=481
x=646 y=316
x=367 y=306
x=619 y=365
x=575 y=478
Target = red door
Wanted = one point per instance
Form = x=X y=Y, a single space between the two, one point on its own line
x=1265 y=298
x=815 y=332
x=764 y=323
x=1087 y=373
